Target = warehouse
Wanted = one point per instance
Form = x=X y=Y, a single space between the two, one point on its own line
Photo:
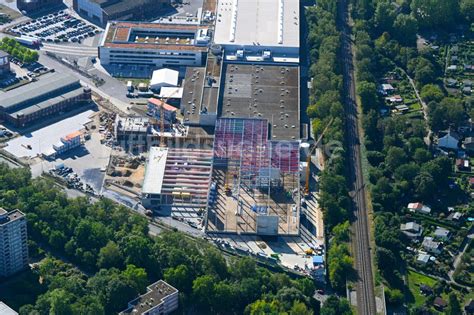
x=153 y=45
x=264 y=91
x=259 y=30
x=178 y=177
x=102 y=11
x=51 y=94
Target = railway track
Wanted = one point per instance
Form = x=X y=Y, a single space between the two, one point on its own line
x=360 y=240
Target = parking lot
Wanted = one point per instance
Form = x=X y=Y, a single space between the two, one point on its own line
x=56 y=27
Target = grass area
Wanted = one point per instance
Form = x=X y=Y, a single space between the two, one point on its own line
x=414 y=281
x=21 y=289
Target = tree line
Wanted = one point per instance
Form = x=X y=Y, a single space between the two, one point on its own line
x=326 y=111
x=18 y=51
x=116 y=259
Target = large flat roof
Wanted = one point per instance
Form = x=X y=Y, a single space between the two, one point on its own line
x=120 y=34
x=155 y=170
x=258 y=22
x=46 y=84
x=264 y=91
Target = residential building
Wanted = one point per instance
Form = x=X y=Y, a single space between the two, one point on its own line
x=6 y=310
x=259 y=31
x=160 y=299
x=164 y=78
x=468 y=144
x=449 y=140
x=102 y=11
x=431 y=246
x=51 y=94
x=394 y=99
x=463 y=165
x=418 y=207
x=439 y=303
x=455 y=216
x=156 y=106
x=442 y=233
x=411 y=229
x=422 y=258
x=32 y=6
x=386 y=89
x=13 y=242
x=4 y=63
x=152 y=45
x=471 y=182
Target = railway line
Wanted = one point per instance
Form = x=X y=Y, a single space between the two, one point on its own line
x=360 y=240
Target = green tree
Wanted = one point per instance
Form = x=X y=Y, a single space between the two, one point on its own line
x=110 y=256
x=336 y=306
x=431 y=92
x=137 y=277
x=405 y=29
x=384 y=16
x=203 y=290
x=454 y=307
x=262 y=307
x=60 y=302
x=435 y=13
x=467 y=9
x=395 y=157
x=368 y=95
x=179 y=277
x=299 y=308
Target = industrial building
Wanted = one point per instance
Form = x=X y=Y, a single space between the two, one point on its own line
x=51 y=94
x=160 y=298
x=4 y=63
x=13 y=242
x=257 y=180
x=31 y=6
x=201 y=87
x=264 y=91
x=177 y=177
x=164 y=78
x=259 y=30
x=69 y=142
x=153 y=45
x=102 y=11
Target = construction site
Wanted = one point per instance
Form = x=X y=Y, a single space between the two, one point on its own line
x=256 y=181
x=177 y=179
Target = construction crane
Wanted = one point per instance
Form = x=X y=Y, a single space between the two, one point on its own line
x=163 y=100
x=308 y=158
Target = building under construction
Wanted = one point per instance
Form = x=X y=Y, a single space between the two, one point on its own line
x=177 y=177
x=256 y=181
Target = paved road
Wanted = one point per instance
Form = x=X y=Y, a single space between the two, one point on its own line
x=361 y=245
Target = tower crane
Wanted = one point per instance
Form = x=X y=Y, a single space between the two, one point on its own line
x=308 y=158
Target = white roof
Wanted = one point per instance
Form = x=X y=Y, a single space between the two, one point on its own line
x=155 y=170
x=6 y=310
x=171 y=92
x=271 y=23
x=165 y=77
x=422 y=257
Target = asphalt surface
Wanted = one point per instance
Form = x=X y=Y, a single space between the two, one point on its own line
x=361 y=244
